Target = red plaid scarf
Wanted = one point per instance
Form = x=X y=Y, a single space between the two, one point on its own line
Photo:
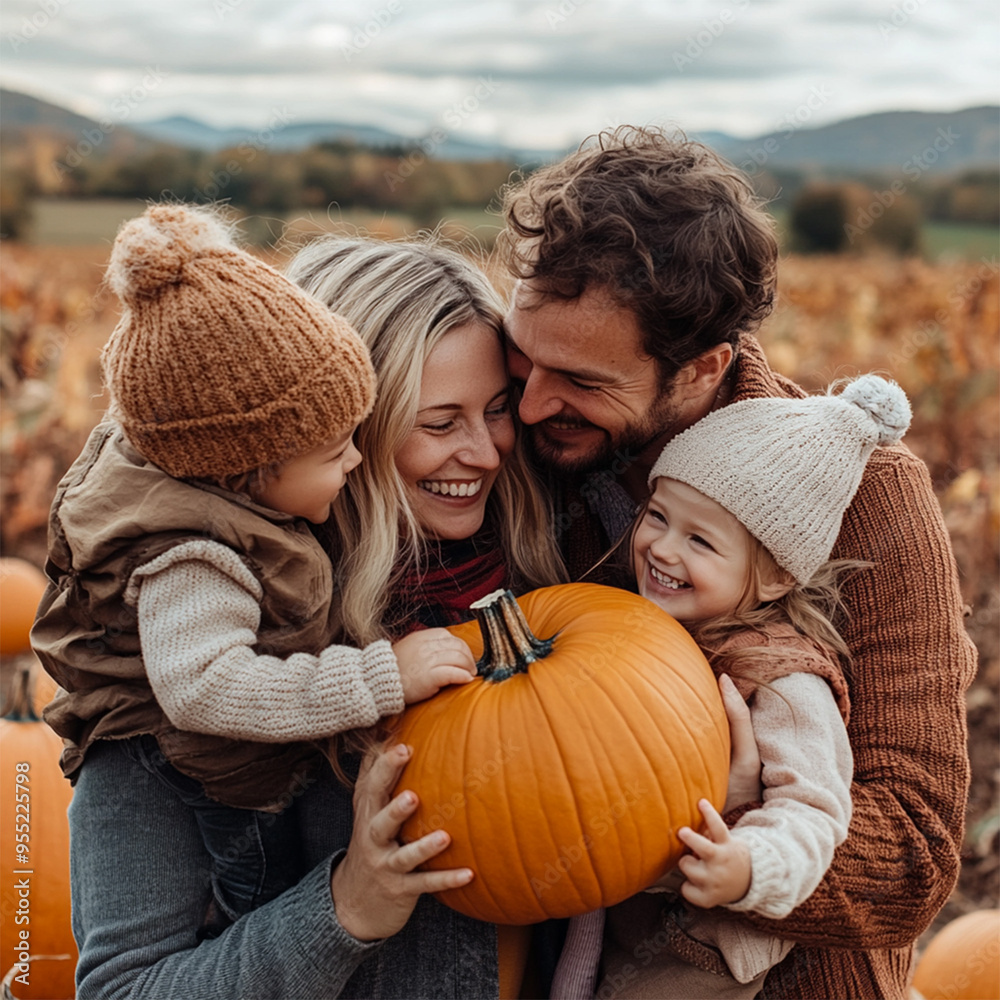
x=455 y=574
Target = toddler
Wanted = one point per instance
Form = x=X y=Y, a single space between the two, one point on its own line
x=189 y=603
x=735 y=543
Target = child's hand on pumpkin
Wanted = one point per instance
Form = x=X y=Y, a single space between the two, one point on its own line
x=718 y=868
x=431 y=658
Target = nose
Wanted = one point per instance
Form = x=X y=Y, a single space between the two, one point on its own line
x=537 y=400
x=352 y=457
x=479 y=450
x=664 y=547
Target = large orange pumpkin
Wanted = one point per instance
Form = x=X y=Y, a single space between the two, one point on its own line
x=962 y=961
x=21 y=588
x=563 y=773
x=36 y=939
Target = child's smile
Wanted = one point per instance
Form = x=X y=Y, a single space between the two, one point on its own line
x=670 y=582
x=690 y=555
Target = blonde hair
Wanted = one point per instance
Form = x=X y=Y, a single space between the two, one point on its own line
x=403 y=298
x=813 y=609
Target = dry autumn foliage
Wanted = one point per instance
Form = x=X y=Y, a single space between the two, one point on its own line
x=932 y=327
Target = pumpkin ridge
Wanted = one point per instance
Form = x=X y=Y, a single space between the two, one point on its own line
x=565 y=791
x=610 y=778
x=477 y=867
x=566 y=708
x=469 y=842
x=710 y=729
x=668 y=757
x=509 y=819
x=609 y=682
x=652 y=776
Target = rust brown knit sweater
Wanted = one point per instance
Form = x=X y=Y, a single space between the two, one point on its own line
x=912 y=662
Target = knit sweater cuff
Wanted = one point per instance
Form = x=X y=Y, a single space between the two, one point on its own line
x=769 y=884
x=320 y=938
x=381 y=674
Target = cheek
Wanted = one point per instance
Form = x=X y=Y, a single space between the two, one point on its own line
x=429 y=459
x=640 y=546
x=413 y=460
x=502 y=435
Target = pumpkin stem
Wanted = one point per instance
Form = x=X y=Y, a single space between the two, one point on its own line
x=20 y=705
x=509 y=645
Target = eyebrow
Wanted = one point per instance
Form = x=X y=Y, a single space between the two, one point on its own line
x=505 y=391
x=579 y=374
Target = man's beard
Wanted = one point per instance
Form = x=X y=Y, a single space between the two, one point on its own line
x=625 y=446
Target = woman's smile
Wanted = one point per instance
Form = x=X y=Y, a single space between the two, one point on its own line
x=455 y=488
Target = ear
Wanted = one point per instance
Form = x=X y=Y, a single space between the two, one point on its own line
x=775 y=589
x=703 y=375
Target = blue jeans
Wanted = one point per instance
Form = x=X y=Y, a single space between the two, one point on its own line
x=254 y=855
x=140 y=884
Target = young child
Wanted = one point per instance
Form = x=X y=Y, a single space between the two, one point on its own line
x=189 y=602
x=735 y=543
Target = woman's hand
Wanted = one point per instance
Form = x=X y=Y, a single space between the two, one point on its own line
x=744 y=760
x=429 y=659
x=375 y=887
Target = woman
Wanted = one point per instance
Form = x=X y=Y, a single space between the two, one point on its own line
x=440 y=447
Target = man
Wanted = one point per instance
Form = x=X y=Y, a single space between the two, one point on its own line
x=645 y=264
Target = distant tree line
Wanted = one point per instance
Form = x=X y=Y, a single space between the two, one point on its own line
x=824 y=215
x=255 y=179
x=849 y=215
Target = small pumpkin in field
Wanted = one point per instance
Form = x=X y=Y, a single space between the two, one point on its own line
x=21 y=588
x=564 y=771
x=37 y=950
x=962 y=961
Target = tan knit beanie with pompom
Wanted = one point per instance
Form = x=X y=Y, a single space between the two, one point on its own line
x=220 y=365
x=787 y=469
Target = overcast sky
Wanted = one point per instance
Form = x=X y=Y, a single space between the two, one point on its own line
x=532 y=73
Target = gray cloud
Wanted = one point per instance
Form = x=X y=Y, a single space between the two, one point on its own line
x=560 y=68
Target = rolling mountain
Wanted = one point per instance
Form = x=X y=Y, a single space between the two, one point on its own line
x=889 y=142
x=182 y=131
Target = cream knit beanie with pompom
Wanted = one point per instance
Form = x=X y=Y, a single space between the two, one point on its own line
x=787 y=469
x=219 y=364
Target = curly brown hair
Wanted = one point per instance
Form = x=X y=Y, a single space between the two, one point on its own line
x=661 y=222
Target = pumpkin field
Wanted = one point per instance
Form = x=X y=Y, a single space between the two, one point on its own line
x=933 y=327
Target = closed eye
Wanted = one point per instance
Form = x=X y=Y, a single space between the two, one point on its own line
x=499 y=409
x=698 y=540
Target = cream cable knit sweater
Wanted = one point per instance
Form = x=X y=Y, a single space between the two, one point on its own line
x=807 y=772
x=198 y=611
